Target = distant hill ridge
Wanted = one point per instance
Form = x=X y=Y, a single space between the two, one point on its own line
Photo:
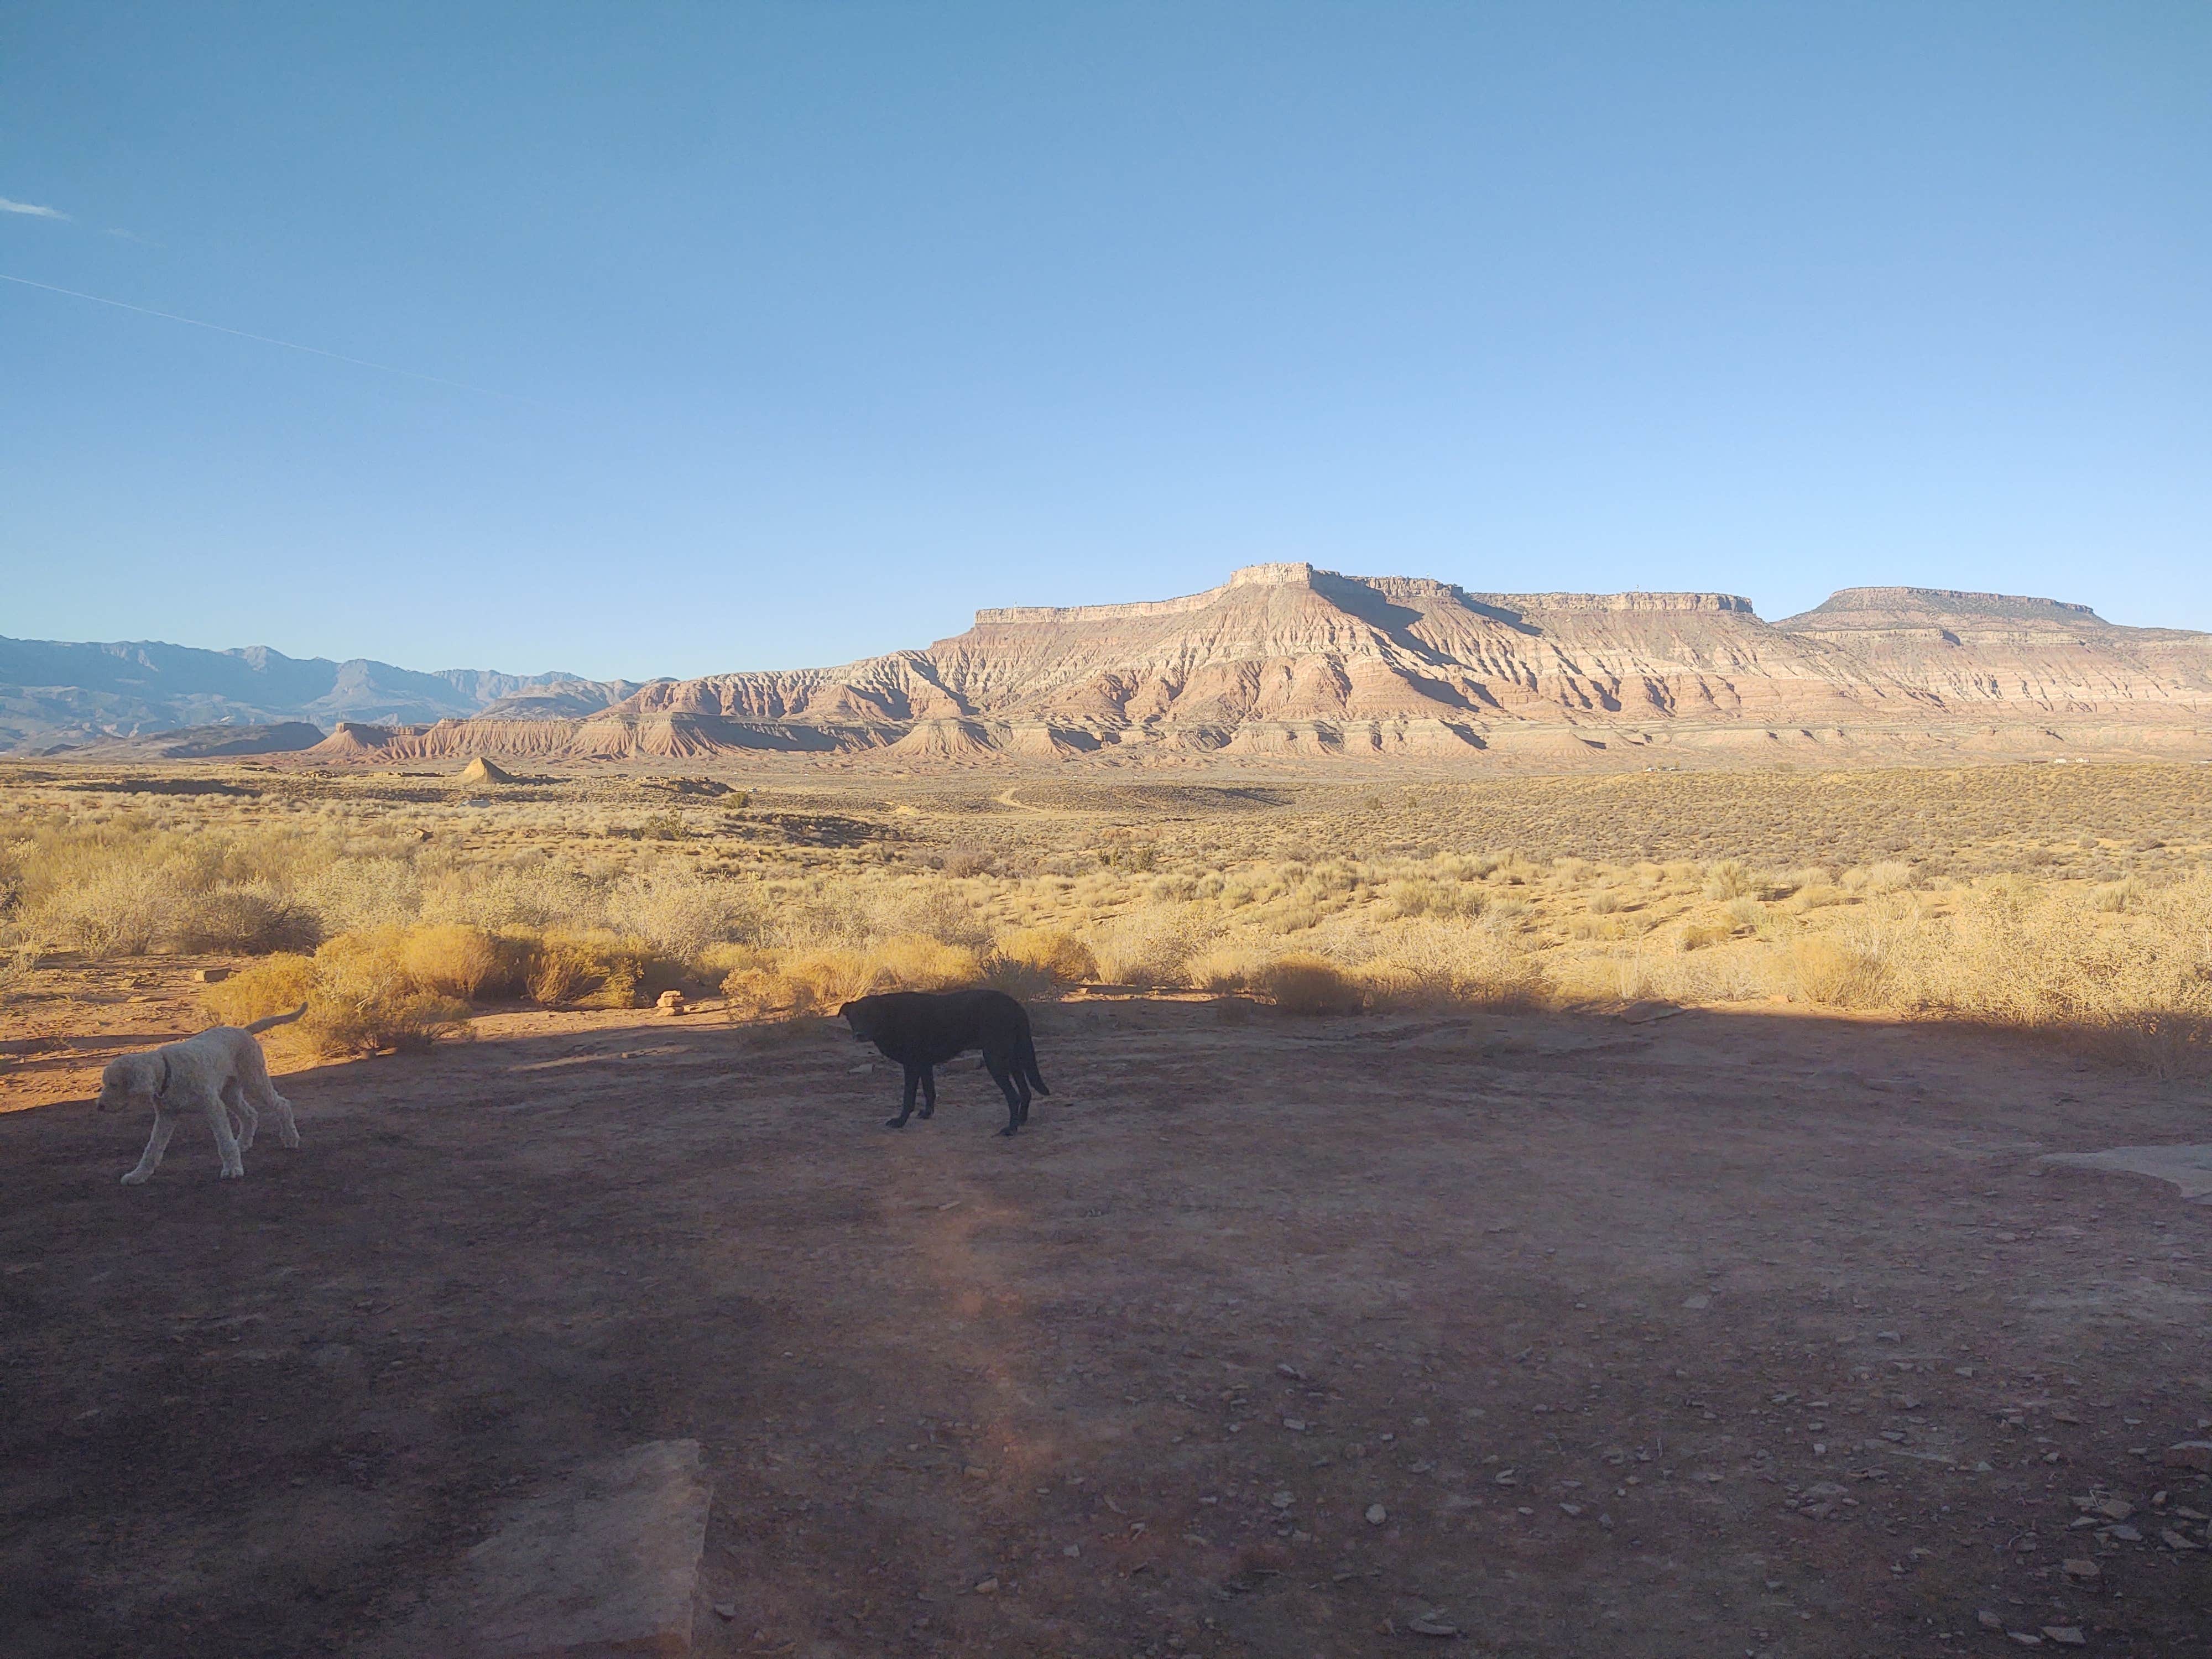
x=53 y=692
x=1287 y=662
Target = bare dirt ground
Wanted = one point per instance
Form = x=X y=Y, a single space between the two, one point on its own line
x=1743 y=1332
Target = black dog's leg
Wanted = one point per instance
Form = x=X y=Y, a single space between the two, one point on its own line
x=913 y=1076
x=1004 y=1077
x=929 y=1092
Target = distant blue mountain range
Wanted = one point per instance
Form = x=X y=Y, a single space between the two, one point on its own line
x=55 y=694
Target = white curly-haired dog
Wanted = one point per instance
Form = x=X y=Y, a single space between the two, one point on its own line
x=218 y=1069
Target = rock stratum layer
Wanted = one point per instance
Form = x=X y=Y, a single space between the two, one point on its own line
x=1285 y=662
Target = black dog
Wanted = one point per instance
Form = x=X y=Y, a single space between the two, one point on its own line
x=922 y=1030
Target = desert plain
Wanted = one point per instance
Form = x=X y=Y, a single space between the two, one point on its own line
x=1620 y=1213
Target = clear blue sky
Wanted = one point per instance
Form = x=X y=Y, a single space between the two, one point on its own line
x=808 y=327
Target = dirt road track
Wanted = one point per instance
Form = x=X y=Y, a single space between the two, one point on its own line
x=1726 y=1334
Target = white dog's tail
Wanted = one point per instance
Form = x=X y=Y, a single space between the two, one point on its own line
x=260 y=1025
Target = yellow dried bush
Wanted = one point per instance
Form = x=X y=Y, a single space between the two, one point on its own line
x=274 y=985
x=1302 y=983
x=1034 y=961
x=453 y=960
x=1834 y=972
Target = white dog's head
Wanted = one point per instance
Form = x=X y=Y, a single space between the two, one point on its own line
x=127 y=1078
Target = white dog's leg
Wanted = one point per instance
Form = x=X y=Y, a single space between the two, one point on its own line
x=226 y=1143
x=240 y=1100
x=287 y=1130
x=253 y=1076
x=165 y=1125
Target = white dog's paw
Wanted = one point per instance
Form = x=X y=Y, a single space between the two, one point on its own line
x=239 y=1174
x=137 y=1177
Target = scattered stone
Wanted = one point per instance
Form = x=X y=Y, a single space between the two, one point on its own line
x=2025 y=1639
x=2126 y=1534
x=1290 y=1370
x=2175 y=1540
x=1295 y=1424
x=2189 y=1168
x=2191 y=1455
x=1989 y=1620
x=2067 y=1635
x=672 y=1002
x=2113 y=1508
x=726 y=1611
x=1074 y=1552
x=987 y=1587
x=212 y=976
x=2079 y=1566
x=1281 y=1500
x=1376 y=1515
x=1432 y=1624
x=1888 y=1336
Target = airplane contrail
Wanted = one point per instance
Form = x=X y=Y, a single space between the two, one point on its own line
x=264 y=339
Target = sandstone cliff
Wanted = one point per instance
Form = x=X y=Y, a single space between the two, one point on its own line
x=1284 y=661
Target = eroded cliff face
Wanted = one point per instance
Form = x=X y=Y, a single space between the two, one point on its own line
x=1972 y=650
x=1285 y=660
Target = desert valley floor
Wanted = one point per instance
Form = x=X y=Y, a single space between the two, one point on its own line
x=1750 y=1331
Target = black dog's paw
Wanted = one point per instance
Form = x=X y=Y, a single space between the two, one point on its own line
x=895 y=1123
x=1003 y=1132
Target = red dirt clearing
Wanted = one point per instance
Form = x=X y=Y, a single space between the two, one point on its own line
x=1723 y=1334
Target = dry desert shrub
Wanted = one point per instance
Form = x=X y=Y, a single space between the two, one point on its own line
x=359 y=997
x=364 y=1000
x=1834 y=973
x=1147 y=946
x=1430 y=964
x=678 y=911
x=1889 y=876
x=596 y=970
x=2138 y=986
x=533 y=893
x=274 y=985
x=916 y=962
x=355 y=894
x=250 y=920
x=119 y=908
x=2117 y=897
x=1302 y=983
x=822 y=979
x=1226 y=967
x=1032 y=961
x=452 y=960
x=1728 y=879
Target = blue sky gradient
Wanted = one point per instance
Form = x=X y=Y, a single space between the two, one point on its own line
x=802 y=328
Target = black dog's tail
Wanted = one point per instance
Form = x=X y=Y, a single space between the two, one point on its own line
x=260 y=1025
x=1026 y=1055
